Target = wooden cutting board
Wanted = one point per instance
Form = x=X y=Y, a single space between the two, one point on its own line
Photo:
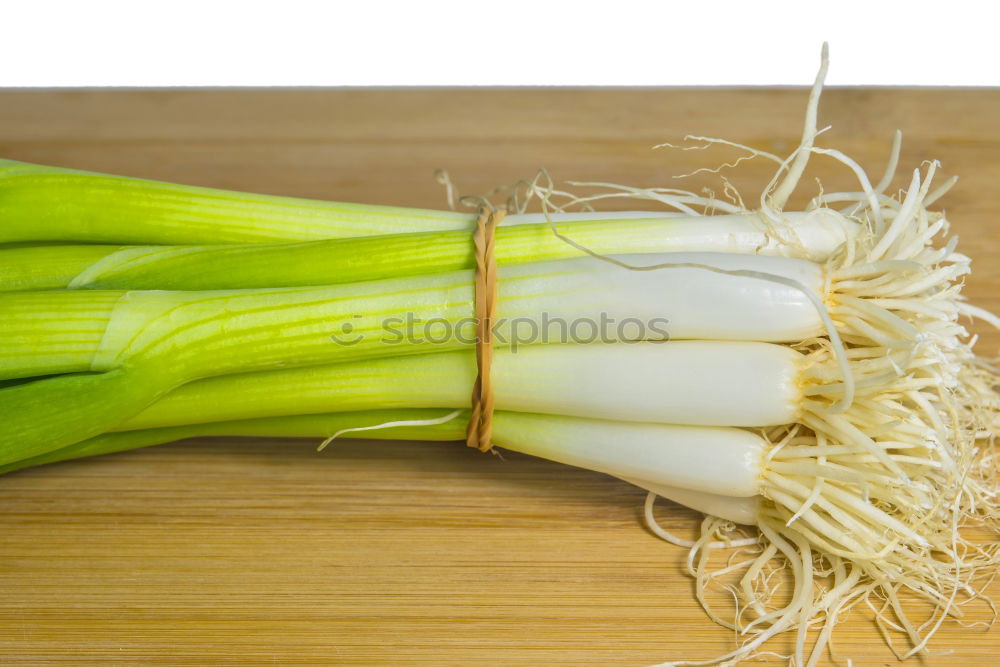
x=263 y=552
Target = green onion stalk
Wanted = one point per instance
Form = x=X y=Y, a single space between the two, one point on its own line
x=801 y=372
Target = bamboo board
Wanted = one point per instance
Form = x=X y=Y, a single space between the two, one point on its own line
x=262 y=552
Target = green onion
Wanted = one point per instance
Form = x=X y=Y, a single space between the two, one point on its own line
x=424 y=425
x=712 y=460
x=804 y=372
x=39 y=203
x=820 y=232
x=165 y=339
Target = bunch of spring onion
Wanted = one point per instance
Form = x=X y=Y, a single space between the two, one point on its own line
x=803 y=372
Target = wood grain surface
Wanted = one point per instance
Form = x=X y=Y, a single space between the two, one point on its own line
x=263 y=552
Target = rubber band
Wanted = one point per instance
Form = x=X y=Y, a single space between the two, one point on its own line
x=479 y=432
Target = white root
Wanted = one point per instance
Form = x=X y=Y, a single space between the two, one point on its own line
x=876 y=495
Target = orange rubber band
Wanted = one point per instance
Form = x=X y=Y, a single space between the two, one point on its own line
x=479 y=432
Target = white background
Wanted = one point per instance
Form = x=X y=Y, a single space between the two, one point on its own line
x=612 y=42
